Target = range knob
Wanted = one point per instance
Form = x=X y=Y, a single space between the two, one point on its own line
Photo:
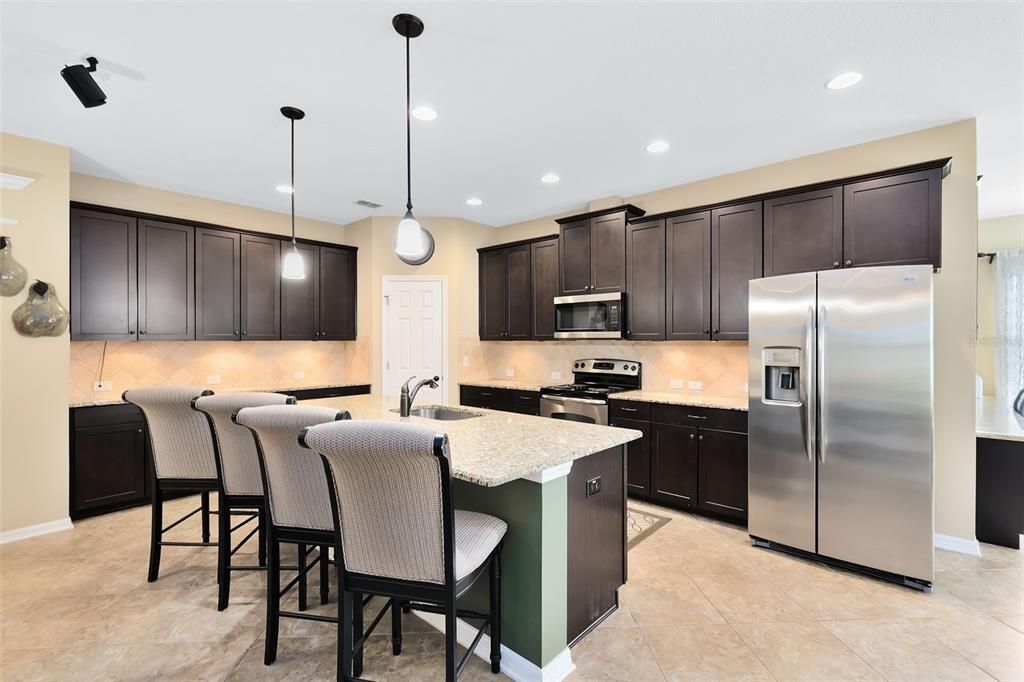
x=633 y=368
x=625 y=367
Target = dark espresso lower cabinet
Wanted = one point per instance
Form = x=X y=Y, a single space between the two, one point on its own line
x=109 y=459
x=723 y=472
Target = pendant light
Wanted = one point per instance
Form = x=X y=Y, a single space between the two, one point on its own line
x=414 y=245
x=292 y=267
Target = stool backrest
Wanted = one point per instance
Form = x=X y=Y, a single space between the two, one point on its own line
x=391 y=488
x=180 y=438
x=1018 y=403
x=293 y=477
x=234 y=445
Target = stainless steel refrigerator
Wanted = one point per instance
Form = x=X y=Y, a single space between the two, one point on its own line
x=840 y=445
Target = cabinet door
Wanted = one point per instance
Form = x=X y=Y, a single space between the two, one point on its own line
x=803 y=232
x=608 y=253
x=688 y=276
x=218 y=285
x=638 y=457
x=109 y=466
x=645 y=281
x=261 y=288
x=544 y=263
x=338 y=277
x=735 y=260
x=674 y=464
x=494 y=294
x=574 y=258
x=300 y=298
x=723 y=472
x=893 y=221
x=104 y=298
x=166 y=281
x=519 y=278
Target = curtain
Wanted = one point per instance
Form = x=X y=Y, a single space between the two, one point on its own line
x=1008 y=276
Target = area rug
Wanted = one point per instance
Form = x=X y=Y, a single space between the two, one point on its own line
x=641 y=525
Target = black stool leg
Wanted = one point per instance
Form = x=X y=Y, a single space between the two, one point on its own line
x=273 y=596
x=325 y=572
x=302 y=577
x=344 y=633
x=155 y=533
x=495 y=614
x=223 y=551
x=261 y=536
x=396 y=627
x=450 y=641
x=357 y=632
x=206 y=515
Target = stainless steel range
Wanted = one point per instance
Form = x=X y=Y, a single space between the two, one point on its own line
x=586 y=399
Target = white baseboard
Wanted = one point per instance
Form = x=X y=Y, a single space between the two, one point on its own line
x=512 y=664
x=33 y=531
x=957 y=544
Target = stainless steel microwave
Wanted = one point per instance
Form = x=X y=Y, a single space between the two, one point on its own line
x=591 y=316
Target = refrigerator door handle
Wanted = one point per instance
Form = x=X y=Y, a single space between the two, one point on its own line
x=810 y=385
x=822 y=382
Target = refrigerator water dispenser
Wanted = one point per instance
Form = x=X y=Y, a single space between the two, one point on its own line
x=782 y=375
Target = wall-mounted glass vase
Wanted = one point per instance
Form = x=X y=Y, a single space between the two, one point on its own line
x=12 y=273
x=41 y=314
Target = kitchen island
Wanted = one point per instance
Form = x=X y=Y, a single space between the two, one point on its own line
x=560 y=486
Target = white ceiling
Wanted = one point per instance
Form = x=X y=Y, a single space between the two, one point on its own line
x=521 y=89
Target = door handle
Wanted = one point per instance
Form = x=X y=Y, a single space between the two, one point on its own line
x=810 y=385
x=823 y=381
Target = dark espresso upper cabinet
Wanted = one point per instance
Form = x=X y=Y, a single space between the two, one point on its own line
x=574 y=258
x=104 y=294
x=218 y=285
x=300 y=298
x=337 y=294
x=803 y=232
x=608 y=253
x=895 y=220
x=261 y=288
x=592 y=251
x=166 y=281
x=520 y=323
x=688 y=276
x=645 y=281
x=735 y=260
x=493 y=295
x=544 y=264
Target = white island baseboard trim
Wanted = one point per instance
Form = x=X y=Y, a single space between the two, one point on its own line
x=33 y=531
x=957 y=544
x=512 y=664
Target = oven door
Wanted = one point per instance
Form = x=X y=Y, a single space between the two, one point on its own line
x=593 y=316
x=574 y=409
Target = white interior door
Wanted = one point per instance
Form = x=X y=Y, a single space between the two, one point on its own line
x=414 y=339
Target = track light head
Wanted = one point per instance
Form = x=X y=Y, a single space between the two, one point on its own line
x=80 y=79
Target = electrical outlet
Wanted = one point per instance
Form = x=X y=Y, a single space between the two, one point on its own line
x=676 y=383
x=103 y=385
x=510 y=372
x=298 y=375
x=465 y=361
x=556 y=376
x=594 y=486
x=213 y=379
x=696 y=385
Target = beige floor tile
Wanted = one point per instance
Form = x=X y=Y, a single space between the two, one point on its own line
x=1015 y=622
x=991 y=557
x=991 y=591
x=749 y=598
x=620 y=618
x=703 y=652
x=312 y=659
x=615 y=655
x=832 y=595
x=668 y=600
x=803 y=651
x=904 y=650
x=991 y=645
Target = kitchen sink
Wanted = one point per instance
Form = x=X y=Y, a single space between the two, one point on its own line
x=441 y=413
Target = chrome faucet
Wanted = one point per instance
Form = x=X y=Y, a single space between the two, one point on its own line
x=407 y=396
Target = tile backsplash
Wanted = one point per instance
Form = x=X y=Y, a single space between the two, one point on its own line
x=242 y=364
x=719 y=368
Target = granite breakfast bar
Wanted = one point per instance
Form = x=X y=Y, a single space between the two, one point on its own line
x=560 y=486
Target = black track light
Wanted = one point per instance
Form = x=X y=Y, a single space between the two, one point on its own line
x=82 y=83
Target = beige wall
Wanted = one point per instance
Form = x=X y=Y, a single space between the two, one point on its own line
x=995 y=234
x=955 y=285
x=34 y=371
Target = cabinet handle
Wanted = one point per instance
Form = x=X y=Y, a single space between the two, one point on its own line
x=485 y=393
x=700 y=437
x=707 y=331
x=245 y=333
x=692 y=436
x=835 y=264
x=628 y=409
x=131 y=331
x=138 y=430
x=849 y=262
x=142 y=331
x=236 y=332
x=714 y=331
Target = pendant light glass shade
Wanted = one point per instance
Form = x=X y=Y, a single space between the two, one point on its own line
x=41 y=314
x=409 y=241
x=13 y=275
x=292 y=267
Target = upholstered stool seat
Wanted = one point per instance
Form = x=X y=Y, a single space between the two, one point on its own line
x=476 y=537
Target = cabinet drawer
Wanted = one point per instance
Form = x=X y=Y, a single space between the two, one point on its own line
x=682 y=415
x=107 y=415
x=629 y=409
x=533 y=410
x=526 y=399
x=483 y=396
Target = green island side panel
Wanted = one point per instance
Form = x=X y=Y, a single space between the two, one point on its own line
x=534 y=563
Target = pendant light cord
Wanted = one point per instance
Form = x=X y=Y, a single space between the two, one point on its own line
x=408 y=131
x=293 y=182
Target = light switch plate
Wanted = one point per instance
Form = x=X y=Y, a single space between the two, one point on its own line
x=510 y=372
x=465 y=361
x=213 y=379
x=676 y=383
x=696 y=385
x=103 y=385
x=556 y=376
x=298 y=375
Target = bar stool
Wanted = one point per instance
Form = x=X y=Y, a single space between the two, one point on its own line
x=298 y=502
x=399 y=536
x=240 y=489
x=181 y=448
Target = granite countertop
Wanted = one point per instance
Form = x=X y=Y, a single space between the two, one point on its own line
x=270 y=389
x=998 y=421
x=688 y=399
x=497 y=447
x=503 y=383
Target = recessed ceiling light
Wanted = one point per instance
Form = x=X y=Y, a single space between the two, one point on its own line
x=287 y=189
x=473 y=201
x=844 y=80
x=657 y=147
x=424 y=113
x=550 y=178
